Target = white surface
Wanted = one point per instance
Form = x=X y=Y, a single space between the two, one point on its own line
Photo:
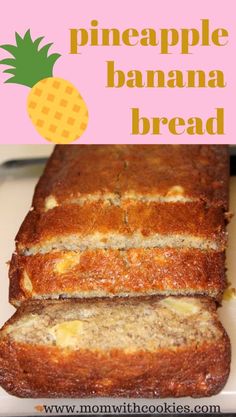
x=15 y=200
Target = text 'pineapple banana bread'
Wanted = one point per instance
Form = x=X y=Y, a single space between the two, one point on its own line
x=146 y=208
x=148 y=347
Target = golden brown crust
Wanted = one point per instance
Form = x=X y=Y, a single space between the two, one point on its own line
x=82 y=171
x=112 y=272
x=35 y=371
x=193 y=219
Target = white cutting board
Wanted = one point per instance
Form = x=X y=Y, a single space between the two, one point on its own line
x=15 y=199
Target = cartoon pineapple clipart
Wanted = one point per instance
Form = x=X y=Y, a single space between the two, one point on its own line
x=54 y=105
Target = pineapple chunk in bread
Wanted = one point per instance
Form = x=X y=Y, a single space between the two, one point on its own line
x=150 y=347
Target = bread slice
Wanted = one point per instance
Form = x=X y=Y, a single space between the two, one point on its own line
x=114 y=173
x=102 y=225
x=111 y=272
x=151 y=347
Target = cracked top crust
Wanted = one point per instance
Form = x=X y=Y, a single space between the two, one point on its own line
x=78 y=174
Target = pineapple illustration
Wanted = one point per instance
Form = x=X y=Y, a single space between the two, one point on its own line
x=54 y=105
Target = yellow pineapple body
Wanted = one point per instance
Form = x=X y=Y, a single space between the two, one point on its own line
x=57 y=110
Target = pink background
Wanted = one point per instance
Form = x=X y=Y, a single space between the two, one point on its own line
x=109 y=109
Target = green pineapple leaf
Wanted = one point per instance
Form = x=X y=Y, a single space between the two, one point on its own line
x=30 y=64
x=10 y=71
x=8 y=61
x=44 y=50
x=37 y=41
x=18 y=39
x=10 y=48
x=53 y=58
x=28 y=35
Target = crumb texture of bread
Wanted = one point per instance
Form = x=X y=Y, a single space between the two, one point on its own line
x=124 y=348
x=139 y=172
x=133 y=272
x=128 y=325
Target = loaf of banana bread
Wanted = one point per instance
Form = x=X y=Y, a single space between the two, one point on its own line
x=125 y=220
x=133 y=347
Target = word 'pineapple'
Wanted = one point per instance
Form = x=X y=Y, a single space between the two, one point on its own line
x=54 y=105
